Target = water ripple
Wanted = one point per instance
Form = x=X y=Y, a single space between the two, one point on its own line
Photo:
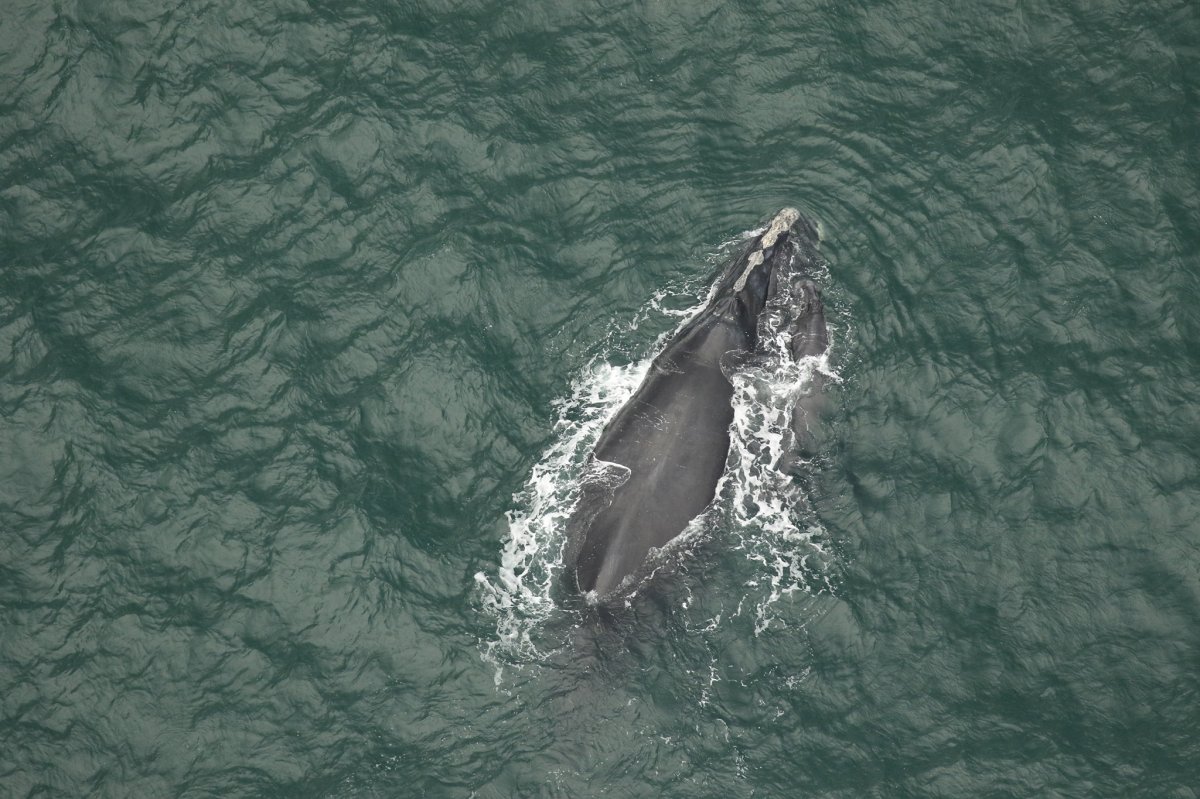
x=288 y=292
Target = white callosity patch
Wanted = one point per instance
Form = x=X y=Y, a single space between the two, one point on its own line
x=782 y=221
x=770 y=517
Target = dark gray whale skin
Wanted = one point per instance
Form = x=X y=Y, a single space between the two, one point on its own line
x=658 y=461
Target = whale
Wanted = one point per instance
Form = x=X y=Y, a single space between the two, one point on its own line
x=658 y=461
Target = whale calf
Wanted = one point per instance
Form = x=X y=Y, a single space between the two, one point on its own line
x=658 y=461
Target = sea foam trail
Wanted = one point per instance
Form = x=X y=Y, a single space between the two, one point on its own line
x=761 y=509
x=520 y=593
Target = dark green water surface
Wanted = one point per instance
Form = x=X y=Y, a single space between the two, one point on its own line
x=292 y=293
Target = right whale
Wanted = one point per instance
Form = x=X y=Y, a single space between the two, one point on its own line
x=659 y=460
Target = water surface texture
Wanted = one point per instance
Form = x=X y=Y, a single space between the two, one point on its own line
x=300 y=300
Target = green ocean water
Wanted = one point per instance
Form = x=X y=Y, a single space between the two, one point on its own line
x=298 y=302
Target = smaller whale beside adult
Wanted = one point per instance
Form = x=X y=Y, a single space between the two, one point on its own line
x=659 y=460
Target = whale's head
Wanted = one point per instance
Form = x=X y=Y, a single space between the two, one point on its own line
x=755 y=276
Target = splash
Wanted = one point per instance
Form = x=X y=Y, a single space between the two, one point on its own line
x=763 y=510
x=768 y=514
x=521 y=593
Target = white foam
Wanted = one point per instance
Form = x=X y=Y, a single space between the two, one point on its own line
x=770 y=516
x=519 y=594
